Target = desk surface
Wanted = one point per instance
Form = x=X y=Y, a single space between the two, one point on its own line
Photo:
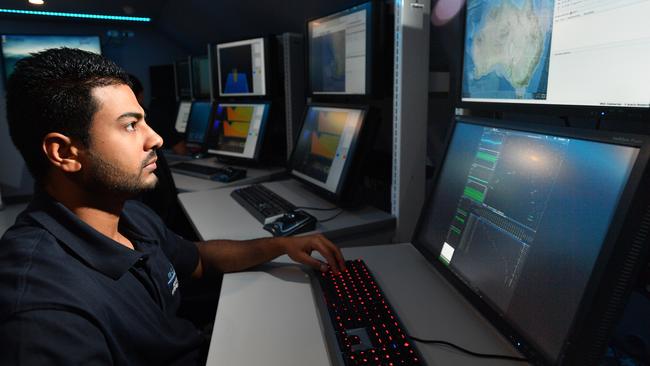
x=188 y=183
x=216 y=215
x=268 y=316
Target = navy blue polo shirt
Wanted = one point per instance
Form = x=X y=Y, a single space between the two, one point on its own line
x=71 y=296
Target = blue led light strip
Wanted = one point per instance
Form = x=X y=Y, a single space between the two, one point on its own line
x=75 y=15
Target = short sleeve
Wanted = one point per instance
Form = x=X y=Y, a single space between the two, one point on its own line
x=183 y=254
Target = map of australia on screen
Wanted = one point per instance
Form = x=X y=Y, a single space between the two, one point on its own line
x=507 y=49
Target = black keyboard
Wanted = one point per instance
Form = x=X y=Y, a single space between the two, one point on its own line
x=226 y=174
x=367 y=329
x=262 y=203
x=196 y=168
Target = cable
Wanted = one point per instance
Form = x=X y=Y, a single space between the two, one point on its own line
x=316 y=208
x=475 y=354
x=331 y=218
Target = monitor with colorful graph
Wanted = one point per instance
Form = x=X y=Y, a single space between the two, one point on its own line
x=326 y=145
x=241 y=68
x=237 y=129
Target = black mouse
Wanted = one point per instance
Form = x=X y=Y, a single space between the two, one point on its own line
x=230 y=174
x=291 y=223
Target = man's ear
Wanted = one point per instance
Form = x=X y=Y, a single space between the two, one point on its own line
x=62 y=152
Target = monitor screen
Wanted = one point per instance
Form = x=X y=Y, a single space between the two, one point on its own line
x=242 y=68
x=16 y=47
x=326 y=145
x=238 y=129
x=521 y=217
x=557 y=52
x=339 y=51
x=182 y=77
x=200 y=77
x=198 y=122
x=182 y=116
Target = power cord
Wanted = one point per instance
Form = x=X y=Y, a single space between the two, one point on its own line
x=316 y=208
x=332 y=217
x=475 y=354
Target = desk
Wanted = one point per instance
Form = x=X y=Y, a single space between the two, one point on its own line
x=268 y=316
x=187 y=183
x=216 y=215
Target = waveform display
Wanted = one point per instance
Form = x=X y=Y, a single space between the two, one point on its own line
x=236 y=129
x=240 y=114
x=491 y=257
x=332 y=122
x=237 y=82
x=324 y=144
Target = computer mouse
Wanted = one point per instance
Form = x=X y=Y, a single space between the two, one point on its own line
x=230 y=174
x=291 y=223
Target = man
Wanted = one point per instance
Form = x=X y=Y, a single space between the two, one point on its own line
x=87 y=276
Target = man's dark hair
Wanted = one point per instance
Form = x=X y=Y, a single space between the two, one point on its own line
x=50 y=91
x=136 y=85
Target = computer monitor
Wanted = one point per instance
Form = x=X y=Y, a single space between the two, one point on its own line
x=241 y=68
x=590 y=54
x=237 y=130
x=183 y=115
x=541 y=229
x=326 y=147
x=18 y=46
x=339 y=49
x=200 y=71
x=182 y=76
x=198 y=123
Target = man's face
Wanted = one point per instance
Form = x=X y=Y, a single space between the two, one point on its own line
x=121 y=154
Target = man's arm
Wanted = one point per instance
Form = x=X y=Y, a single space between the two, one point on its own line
x=232 y=256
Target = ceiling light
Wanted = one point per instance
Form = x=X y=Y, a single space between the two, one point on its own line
x=37 y=2
x=76 y=15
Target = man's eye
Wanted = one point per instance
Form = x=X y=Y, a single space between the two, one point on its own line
x=131 y=126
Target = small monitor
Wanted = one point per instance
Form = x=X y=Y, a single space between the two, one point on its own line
x=16 y=47
x=200 y=77
x=339 y=51
x=182 y=76
x=326 y=145
x=527 y=222
x=237 y=130
x=241 y=68
x=198 y=123
x=558 y=53
x=182 y=116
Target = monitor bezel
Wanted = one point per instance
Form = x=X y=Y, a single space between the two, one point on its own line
x=354 y=148
x=176 y=64
x=196 y=144
x=216 y=69
x=4 y=70
x=613 y=238
x=193 y=93
x=260 y=138
x=564 y=110
x=371 y=35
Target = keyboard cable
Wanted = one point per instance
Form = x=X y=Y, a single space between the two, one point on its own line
x=317 y=208
x=331 y=217
x=472 y=353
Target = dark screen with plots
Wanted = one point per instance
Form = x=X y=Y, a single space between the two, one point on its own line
x=520 y=217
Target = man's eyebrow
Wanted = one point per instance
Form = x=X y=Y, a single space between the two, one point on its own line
x=135 y=115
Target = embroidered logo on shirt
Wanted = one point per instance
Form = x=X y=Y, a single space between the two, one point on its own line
x=172 y=280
